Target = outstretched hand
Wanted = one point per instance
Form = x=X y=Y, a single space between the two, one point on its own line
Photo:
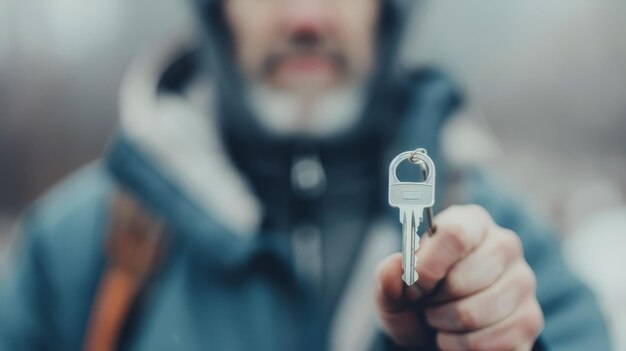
x=475 y=290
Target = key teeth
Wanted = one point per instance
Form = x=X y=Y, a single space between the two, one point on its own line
x=406 y=279
x=409 y=283
x=406 y=216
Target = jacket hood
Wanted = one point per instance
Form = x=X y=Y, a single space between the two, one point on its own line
x=164 y=116
x=382 y=93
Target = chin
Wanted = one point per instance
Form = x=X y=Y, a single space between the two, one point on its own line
x=320 y=112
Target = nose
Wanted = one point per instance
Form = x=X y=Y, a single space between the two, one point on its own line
x=307 y=16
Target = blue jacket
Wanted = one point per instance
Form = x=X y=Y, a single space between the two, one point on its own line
x=223 y=285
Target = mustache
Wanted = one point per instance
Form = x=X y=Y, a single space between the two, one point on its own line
x=290 y=50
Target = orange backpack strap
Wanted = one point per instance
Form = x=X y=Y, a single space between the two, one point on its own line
x=133 y=248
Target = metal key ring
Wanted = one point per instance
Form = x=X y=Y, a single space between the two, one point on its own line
x=416 y=157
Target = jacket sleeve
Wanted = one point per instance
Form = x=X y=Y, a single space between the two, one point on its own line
x=573 y=320
x=23 y=306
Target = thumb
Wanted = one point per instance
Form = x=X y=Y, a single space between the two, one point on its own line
x=392 y=294
x=396 y=304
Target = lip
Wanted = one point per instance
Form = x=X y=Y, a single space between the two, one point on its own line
x=307 y=64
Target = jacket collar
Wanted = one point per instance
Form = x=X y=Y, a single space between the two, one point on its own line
x=180 y=142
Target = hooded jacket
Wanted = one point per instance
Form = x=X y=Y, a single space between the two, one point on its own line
x=235 y=274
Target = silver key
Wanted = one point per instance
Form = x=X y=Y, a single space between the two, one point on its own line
x=411 y=198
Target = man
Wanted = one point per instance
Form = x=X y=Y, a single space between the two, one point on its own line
x=262 y=152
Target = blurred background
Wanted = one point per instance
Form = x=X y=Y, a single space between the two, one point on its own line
x=546 y=83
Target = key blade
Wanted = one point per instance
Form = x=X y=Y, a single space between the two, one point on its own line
x=411 y=218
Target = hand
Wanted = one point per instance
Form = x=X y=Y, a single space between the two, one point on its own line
x=475 y=290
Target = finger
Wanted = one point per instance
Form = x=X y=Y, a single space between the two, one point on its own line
x=460 y=229
x=392 y=295
x=520 y=328
x=482 y=267
x=397 y=313
x=486 y=307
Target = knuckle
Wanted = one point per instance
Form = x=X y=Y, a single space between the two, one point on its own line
x=454 y=209
x=535 y=321
x=429 y=273
x=530 y=324
x=541 y=323
x=454 y=237
x=475 y=343
x=479 y=212
x=456 y=284
x=466 y=316
x=528 y=279
x=443 y=343
x=431 y=317
x=511 y=243
x=535 y=329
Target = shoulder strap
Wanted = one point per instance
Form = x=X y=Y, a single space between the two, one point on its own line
x=133 y=246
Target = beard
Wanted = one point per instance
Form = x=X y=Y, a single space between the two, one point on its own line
x=289 y=113
x=314 y=105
